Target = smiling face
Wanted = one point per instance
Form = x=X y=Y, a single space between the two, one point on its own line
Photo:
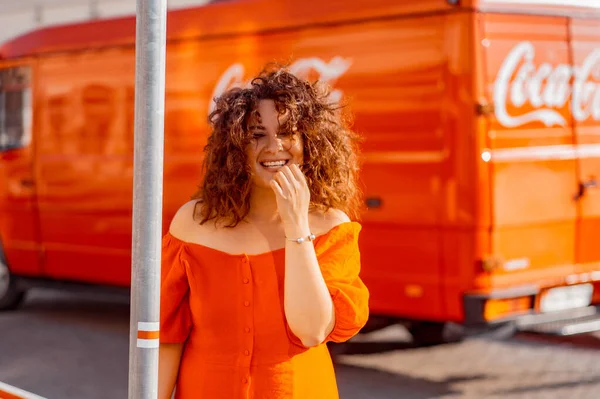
x=271 y=146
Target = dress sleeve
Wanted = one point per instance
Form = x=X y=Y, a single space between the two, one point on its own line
x=339 y=260
x=175 y=314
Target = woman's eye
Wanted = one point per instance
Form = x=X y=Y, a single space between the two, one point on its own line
x=285 y=134
x=257 y=136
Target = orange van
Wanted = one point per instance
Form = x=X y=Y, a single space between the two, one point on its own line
x=481 y=122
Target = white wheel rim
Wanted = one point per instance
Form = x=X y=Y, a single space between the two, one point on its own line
x=4 y=279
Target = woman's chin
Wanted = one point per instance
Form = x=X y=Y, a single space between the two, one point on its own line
x=263 y=184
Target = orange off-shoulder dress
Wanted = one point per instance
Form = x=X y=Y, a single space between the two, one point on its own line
x=228 y=309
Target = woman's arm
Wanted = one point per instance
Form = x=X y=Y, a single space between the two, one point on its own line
x=169 y=357
x=175 y=314
x=307 y=303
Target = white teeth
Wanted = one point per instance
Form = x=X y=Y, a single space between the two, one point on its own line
x=273 y=164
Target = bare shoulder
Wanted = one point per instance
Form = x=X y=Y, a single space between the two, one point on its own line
x=185 y=225
x=322 y=222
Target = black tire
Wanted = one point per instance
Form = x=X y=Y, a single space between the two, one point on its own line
x=10 y=296
x=429 y=333
x=497 y=332
x=376 y=323
x=337 y=349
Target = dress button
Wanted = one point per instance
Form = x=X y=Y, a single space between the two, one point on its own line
x=246 y=281
x=245 y=380
x=246 y=304
x=244 y=260
x=247 y=352
x=247 y=329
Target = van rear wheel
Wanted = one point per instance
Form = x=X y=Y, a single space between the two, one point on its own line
x=10 y=296
x=428 y=333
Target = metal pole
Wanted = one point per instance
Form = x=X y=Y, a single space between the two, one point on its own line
x=147 y=198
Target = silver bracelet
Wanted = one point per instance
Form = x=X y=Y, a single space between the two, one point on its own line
x=300 y=240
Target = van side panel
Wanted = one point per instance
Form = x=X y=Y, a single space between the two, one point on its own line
x=219 y=19
x=19 y=229
x=466 y=209
x=533 y=170
x=392 y=74
x=407 y=81
x=86 y=155
x=85 y=163
x=19 y=224
x=585 y=43
x=398 y=84
x=190 y=83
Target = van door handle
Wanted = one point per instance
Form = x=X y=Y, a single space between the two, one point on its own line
x=373 y=202
x=27 y=183
x=584 y=185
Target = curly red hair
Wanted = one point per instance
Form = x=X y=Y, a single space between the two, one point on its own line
x=330 y=147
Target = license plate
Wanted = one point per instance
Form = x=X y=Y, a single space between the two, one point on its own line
x=564 y=298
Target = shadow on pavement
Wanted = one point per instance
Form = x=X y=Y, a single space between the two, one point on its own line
x=67 y=346
x=362 y=383
x=368 y=348
x=587 y=341
x=107 y=311
x=547 y=387
x=377 y=347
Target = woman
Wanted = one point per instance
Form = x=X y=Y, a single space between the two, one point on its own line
x=261 y=269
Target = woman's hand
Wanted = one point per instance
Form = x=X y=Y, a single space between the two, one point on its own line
x=293 y=199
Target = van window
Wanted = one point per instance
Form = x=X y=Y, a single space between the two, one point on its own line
x=15 y=107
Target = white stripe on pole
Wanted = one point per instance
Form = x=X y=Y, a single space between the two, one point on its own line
x=151 y=21
x=145 y=326
x=147 y=343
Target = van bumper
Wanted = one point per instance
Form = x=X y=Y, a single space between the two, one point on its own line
x=474 y=304
x=565 y=322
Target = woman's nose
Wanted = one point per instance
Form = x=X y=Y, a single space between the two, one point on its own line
x=275 y=145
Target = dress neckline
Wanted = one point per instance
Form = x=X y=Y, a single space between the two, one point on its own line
x=243 y=254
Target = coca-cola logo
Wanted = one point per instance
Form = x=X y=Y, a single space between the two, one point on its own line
x=545 y=89
x=327 y=72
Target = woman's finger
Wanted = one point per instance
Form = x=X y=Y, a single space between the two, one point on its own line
x=294 y=182
x=284 y=183
x=276 y=188
x=297 y=172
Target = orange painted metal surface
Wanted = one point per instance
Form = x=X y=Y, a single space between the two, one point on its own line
x=477 y=133
x=542 y=74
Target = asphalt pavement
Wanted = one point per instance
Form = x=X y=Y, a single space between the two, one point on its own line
x=70 y=346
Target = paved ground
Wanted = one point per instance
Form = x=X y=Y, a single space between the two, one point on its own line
x=525 y=366
x=71 y=347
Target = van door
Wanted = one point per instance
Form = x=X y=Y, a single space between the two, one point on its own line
x=86 y=165
x=585 y=45
x=19 y=224
x=531 y=149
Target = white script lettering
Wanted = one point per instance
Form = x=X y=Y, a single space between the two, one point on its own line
x=545 y=88
x=328 y=72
